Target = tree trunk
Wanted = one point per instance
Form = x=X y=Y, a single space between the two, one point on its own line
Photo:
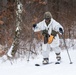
x=15 y=44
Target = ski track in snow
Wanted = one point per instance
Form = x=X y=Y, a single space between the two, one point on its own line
x=22 y=67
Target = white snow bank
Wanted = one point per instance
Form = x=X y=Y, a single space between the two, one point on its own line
x=22 y=67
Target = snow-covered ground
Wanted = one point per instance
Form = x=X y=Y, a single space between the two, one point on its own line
x=22 y=67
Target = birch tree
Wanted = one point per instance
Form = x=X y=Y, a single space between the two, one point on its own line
x=14 y=47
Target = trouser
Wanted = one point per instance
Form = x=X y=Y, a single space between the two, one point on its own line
x=46 y=50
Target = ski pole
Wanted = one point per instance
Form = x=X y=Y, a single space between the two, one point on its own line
x=67 y=50
x=31 y=41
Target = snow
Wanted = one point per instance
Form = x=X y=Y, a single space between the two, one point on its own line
x=23 y=67
x=10 y=50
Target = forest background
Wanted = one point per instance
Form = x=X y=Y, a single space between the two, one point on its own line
x=63 y=11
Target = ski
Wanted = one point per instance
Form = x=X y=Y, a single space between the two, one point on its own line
x=48 y=63
x=43 y=64
x=57 y=62
x=37 y=65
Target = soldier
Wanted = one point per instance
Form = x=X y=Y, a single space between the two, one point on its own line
x=50 y=29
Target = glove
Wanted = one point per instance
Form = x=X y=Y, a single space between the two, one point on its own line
x=53 y=33
x=45 y=32
x=61 y=30
x=34 y=25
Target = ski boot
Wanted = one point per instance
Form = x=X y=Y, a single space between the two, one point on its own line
x=45 y=61
x=58 y=58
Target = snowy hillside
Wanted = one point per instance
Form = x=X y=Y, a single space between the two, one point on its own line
x=22 y=67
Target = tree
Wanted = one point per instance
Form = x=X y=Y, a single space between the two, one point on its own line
x=15 y=45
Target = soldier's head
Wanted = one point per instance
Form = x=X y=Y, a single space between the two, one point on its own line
x=47 y=17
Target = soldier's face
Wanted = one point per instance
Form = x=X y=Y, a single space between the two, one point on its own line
x=47 y=20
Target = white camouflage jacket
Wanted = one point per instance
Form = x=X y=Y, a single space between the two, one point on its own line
x=53 y=25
